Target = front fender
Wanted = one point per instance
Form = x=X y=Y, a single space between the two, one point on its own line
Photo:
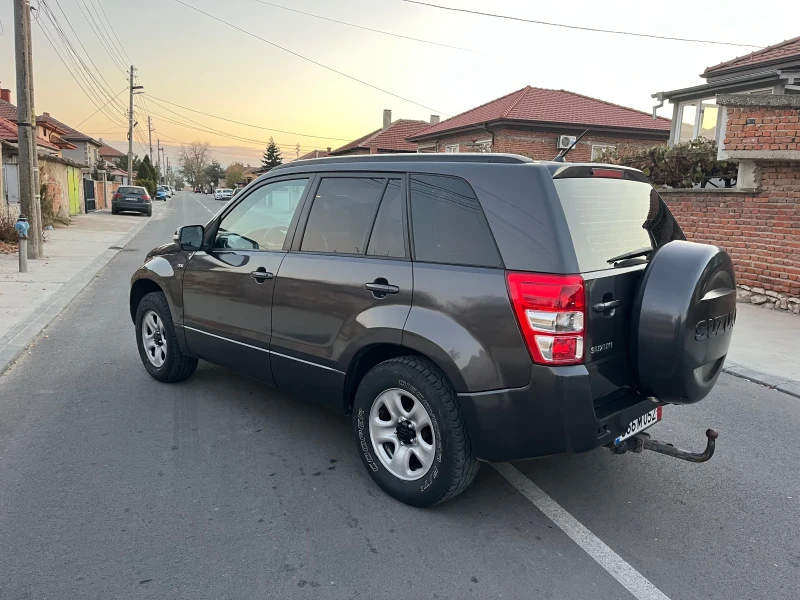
x=164 y=274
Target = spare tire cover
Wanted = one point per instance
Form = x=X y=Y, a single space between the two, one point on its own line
x=683 y=318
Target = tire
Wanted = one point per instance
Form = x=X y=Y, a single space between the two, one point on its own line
x=176 y=366
x=418 y=382
x=114 y=211
x=149 y=212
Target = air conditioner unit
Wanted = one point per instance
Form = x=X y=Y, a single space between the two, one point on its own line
x=565 y=141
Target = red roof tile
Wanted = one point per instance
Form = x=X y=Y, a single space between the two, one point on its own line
x=10 y=133
x=314 y=154
x=8 y=111
x=107 y=151
x=539 y=105
x=392 y=139
x=70 y=133
x=776 y=52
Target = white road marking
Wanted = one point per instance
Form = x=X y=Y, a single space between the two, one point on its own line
x=633 y=581
x=203 y=205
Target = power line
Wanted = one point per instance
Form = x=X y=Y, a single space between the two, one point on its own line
x=83 y=86
x=52 y=17
x=397 y=35
x=319 y=137
x=612 y=31
x=101 y=108
x=319 y=64
x=96 y=29
x=113 y=32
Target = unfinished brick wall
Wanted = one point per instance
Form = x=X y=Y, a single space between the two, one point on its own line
x=540 y=145
x=760 y=230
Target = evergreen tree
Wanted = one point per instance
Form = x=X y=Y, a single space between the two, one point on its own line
x=146 y=175
x=272 y=156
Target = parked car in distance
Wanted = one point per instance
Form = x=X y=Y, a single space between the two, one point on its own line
x=161 y=194
x=130 y=198
x=223 y=194
x=461 y=307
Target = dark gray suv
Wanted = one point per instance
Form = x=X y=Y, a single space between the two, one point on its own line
x=462 y=308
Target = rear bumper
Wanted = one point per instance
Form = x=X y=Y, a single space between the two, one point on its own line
x=132 y=206
x=554 y=414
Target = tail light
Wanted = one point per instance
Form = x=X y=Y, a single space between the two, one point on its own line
x=551 y=310
x=146 y=198
x=116 y=196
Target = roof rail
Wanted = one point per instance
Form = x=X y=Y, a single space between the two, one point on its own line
x=411 y=157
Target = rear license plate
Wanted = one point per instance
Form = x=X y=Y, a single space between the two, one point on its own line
x=646 y=420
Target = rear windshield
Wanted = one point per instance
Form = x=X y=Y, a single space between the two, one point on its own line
x=130 y=190
x=609 y=217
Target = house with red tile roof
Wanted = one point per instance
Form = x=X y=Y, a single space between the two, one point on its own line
x=537 y=123
x=392 y=138
x=9 y=133
x=108 y=153
x=315 y=154
x=774 y=70
x=86 y=148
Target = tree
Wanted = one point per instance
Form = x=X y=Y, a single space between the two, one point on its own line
x=234 y=174
x=122 y=162
x=100 y=165
x=272 y=156
x=215 y=172
x=146 y=175
x=193 y=160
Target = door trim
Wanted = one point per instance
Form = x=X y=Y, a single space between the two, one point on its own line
x=307 y=362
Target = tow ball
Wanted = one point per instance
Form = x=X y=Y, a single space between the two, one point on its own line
x=642 y=441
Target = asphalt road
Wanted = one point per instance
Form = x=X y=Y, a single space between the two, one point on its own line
x=113 y=485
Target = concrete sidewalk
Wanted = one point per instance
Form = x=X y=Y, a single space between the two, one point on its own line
x=73 y=256
x=765 y=348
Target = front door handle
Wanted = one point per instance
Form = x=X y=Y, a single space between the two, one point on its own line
x=380 y=288
x=261 y=275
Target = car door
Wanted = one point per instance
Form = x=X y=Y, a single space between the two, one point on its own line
x=346 y=284
x=227 y=290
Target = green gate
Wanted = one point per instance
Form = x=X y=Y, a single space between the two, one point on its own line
x=74 y=185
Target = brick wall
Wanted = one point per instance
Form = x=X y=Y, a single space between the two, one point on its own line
x=759 y=229
x=762 y=128
x=540 y=145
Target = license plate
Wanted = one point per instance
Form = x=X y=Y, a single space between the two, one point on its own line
x=640 y=424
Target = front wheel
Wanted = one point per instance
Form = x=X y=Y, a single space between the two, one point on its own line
x=157 y=342
x=410 y=433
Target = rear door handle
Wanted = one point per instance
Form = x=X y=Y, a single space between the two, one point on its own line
x=381 y=289
x=604 y=306
x=261 y=275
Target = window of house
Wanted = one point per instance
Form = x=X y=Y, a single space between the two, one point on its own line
x=697 y=119
x=451 y=148
x=387 y=237
x=342 y=214
x=598 y=149
x=448 y=223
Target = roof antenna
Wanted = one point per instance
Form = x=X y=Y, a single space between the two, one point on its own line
x=563 y=153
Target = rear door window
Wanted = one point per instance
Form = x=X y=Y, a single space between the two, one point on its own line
x=610 y=217
x=387 y=237
x=448 y=223
x=341 y=215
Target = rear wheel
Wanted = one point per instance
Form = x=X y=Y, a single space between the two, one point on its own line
x=114 y=211
x=158 y=345
x=150 y=212
x=410 y=433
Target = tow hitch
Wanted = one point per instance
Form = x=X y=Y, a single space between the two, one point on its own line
x=642 y=441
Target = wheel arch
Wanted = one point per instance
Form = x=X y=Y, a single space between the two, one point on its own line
x=139 y=289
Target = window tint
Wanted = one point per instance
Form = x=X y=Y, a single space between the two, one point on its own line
x=261 y=219
x=387 y=237
x=342 y=213
x=131 y=190
x=448 y=223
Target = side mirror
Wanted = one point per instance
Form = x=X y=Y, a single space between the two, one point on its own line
x=190 y=237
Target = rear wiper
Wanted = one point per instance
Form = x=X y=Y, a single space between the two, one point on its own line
x=632 y=254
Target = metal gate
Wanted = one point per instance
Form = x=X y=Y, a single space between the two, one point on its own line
x=88 y=189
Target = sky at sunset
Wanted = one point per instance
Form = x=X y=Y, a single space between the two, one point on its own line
x=189 y=59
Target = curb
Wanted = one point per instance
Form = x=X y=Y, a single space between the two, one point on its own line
x=775 y=382
x=19 y=337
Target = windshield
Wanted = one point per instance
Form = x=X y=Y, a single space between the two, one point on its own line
x=611 y=217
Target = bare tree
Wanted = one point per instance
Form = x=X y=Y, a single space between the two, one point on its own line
x=193 y=160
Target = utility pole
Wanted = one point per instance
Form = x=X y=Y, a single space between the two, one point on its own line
x=130 y=127
x=150 y=134
x=158 y=159
x=130 y=131
x=29 y=196
x=298 y=151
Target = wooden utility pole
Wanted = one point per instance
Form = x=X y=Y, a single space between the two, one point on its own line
x=150 y=135
x=26 y=126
